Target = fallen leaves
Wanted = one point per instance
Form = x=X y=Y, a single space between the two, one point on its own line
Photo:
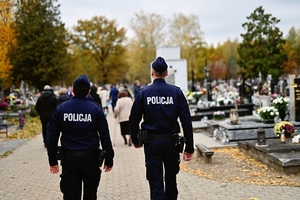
x=231 y=165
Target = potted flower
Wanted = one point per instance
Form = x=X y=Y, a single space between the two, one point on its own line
x=282 y=104
x=284 y=127
x=219 y=115
x=268 y=113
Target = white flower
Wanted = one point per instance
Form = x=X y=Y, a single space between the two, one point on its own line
x=296 y=139
x=212 y=103
x=268 y=112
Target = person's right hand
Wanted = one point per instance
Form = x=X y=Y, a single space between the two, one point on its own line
x=137 y=146
x=187 y=156
x=54 y=169
x=107 y=168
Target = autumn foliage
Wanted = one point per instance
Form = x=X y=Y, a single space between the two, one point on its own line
x=7 y=38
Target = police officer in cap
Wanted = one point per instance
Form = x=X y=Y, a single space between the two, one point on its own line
x=161 y=104
x=83 y=127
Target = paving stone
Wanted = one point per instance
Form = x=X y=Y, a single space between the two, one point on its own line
x=25 y=175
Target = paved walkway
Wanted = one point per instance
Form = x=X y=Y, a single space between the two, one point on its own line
x=25 y=175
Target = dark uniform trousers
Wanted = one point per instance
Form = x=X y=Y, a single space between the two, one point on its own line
x=75 y=169
x=159 y=154
x=44 y=130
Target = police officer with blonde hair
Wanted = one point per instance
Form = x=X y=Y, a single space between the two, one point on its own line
x=160 y=105
x=83 y=127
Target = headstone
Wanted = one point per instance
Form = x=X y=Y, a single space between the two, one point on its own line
x=284 y=88
x=295 y=100
x=291 y=87
x=171 y=76
x=264 y=100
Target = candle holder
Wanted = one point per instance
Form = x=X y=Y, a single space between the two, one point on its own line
x=282 y=138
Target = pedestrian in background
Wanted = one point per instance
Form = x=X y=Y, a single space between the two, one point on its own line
x=83 y=127
x=122 y=112
x=136 y=88
x=62 y=95
x=70 y=91
x=127 y=90
x=45 y=107
x=113 y=96
x=104 y=96
x=160 y=105
x=94 y=94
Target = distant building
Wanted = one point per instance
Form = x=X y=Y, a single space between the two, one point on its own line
x=177 y=66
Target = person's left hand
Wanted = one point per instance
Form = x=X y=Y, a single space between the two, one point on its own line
x=107 y=168
x=54 y=169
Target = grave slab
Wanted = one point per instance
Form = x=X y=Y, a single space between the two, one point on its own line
x=282 y=157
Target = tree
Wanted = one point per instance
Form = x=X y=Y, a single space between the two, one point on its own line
x=104 y=42
x=185 y=32
x=82 y=62
x=148 y=35
x=262 y=47
x=292 y=46
x=40 y=53
x=7 y=38
x=229 y=57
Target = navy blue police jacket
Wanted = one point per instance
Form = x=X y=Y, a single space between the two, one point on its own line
x=82 y=126
x=160 y=105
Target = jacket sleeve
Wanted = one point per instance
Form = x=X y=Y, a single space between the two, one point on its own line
x=106 y=141
x=37 y=106
x=186 y=123
x=135 y=117
x=52 y=138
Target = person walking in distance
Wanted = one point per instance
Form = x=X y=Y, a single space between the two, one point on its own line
x=122 y=112
x=104 y=96
x=81 y=126
x=160 y=105
x=113 y=95
x=62 y=95
x=45 y=107
x=95 y=95
x=136 y=88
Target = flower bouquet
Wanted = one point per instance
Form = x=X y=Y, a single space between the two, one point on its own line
x=218 y=115
x=284 y=127
x=221 y=100
x=193 y=97
x=268 y=112
x=281 y=103
x=265 y=89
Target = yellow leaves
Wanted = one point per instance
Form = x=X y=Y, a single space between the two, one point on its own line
x=7 y=38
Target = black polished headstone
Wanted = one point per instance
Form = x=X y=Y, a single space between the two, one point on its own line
x=297 y=99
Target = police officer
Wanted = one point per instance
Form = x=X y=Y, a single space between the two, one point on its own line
x=161 y=104
x=83 y=126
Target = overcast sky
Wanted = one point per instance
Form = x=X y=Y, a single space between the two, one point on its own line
x=219 y=20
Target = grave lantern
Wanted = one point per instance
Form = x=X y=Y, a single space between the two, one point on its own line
x=234 y=116
x=261 y=136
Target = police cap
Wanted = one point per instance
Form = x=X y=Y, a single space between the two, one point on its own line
x=159 y=65
x=82 y=83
